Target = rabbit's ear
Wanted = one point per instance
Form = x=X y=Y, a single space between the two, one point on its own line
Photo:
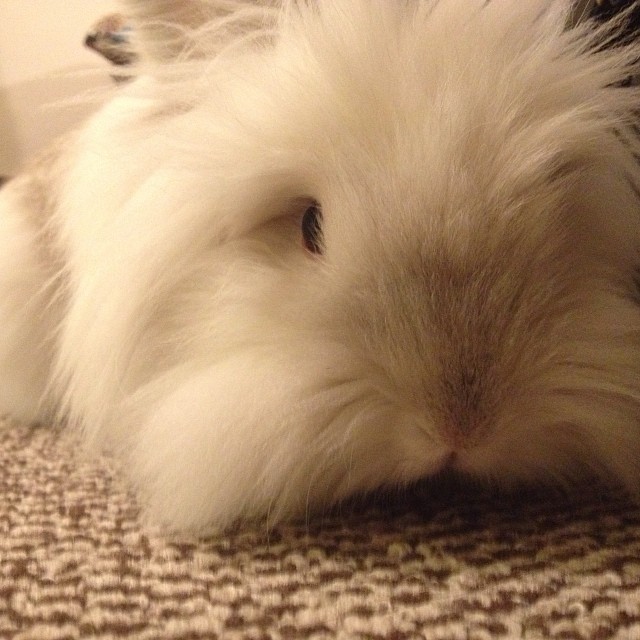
x=163 y=26
x=170 y=29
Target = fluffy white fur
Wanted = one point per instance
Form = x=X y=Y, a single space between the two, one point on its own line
x=475 y=303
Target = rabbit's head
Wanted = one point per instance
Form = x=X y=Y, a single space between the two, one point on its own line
x=413 y=247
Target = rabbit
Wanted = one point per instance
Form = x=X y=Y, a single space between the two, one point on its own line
x=323 y=248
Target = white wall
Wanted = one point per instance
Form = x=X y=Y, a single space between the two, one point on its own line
x=43 y=63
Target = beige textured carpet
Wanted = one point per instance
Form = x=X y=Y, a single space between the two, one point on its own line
x=460 y=564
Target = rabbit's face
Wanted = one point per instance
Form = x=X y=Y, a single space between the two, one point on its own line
x=480 y=328
x=464 y=267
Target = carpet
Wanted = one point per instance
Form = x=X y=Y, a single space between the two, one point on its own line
x=443 y=561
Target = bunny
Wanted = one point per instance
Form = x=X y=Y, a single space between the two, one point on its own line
x=319 y=248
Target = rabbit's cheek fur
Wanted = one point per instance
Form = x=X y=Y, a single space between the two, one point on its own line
x=467 y=299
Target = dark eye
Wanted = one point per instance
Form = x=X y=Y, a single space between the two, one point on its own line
x=311 y=231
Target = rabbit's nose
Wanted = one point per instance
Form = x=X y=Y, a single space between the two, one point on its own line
x=456 y=439
x=448 y=462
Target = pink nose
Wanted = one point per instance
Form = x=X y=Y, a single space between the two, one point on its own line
x=447 y=462
x=454 y=438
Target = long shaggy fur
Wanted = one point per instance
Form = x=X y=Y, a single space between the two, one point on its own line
x=474 y=305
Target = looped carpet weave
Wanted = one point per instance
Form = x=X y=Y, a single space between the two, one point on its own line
x=440 y=562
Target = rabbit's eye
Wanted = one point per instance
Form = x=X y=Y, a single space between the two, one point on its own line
x=311 y=231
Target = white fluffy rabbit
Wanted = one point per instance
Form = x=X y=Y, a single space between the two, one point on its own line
x=325 y=246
